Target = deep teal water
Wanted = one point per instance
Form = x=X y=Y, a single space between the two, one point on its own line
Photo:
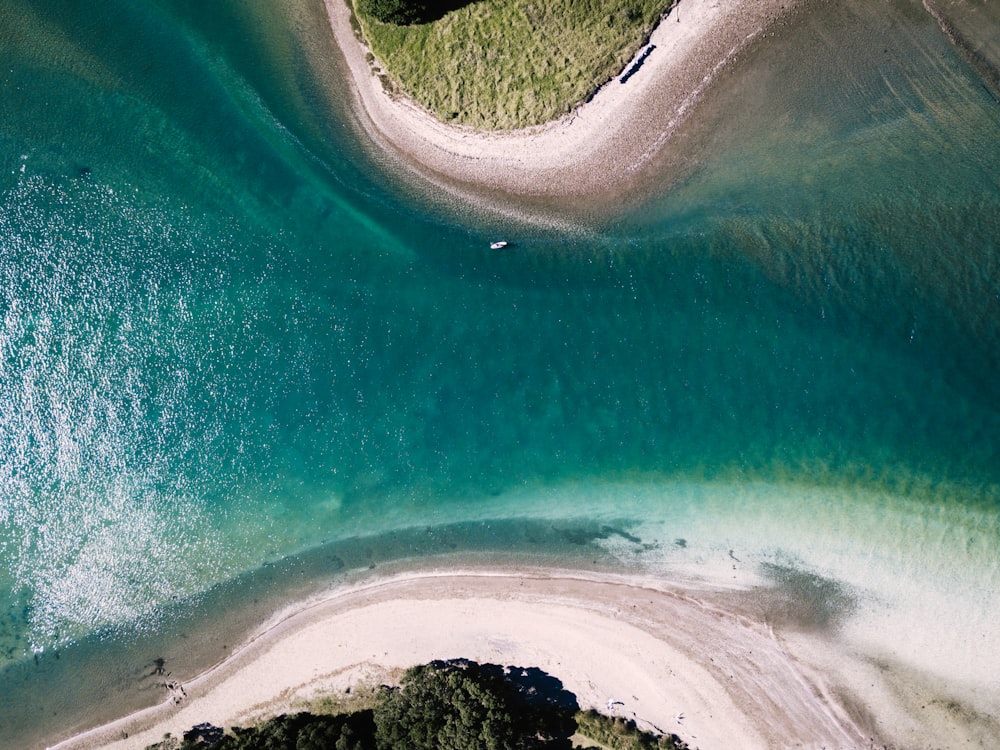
x=232 y=332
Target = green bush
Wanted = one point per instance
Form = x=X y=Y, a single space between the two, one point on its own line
x=304 y=731
x=616 y=733
x=393 y=11
x=467 y=706
x=407 y=12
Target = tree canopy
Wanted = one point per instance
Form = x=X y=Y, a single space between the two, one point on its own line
x=302 y=731
x=407 y=12
x=462 y=705
x=444 y=705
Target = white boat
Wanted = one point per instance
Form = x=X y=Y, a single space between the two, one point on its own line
x=500 y=245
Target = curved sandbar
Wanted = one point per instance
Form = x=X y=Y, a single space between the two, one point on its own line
x=673 y=657
x=598 y=147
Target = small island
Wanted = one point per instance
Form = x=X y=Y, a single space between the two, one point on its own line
x=512 y=97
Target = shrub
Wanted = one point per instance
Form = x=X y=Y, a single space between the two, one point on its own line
x=303 y=731
x=391 y=11
x=616 y=733
x=406 y=12
x=462 y=705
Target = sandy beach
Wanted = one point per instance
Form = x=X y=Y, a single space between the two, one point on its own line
x=601 y=147
x=668 y=656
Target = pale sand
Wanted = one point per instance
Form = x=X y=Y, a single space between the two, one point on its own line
x=598 y=149
x=676 y=660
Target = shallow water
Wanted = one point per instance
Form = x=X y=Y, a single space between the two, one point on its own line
x=232 y=333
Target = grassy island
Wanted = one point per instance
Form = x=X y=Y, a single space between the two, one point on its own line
x=506 y=64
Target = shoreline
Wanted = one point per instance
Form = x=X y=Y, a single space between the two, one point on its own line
x=605 y=146
x=681 y=657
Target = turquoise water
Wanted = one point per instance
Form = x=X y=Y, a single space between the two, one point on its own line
x=234 y=335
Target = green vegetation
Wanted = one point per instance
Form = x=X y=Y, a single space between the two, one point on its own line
x=302 y=731
x=453 y=705
x=405 y=12
x=468 y=706
x=390 y=11
x=615 y=733
x=503 y=64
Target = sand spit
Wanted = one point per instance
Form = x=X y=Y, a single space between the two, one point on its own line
x=662 y=654
x=600 y=147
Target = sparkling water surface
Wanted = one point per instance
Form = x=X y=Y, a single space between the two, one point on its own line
x=242 y=352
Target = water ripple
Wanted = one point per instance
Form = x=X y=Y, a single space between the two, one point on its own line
x=100 y=479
